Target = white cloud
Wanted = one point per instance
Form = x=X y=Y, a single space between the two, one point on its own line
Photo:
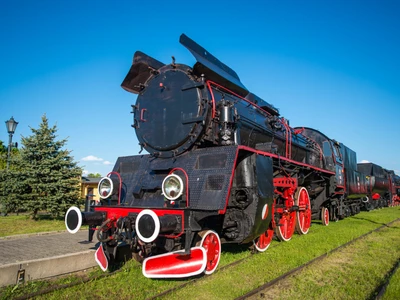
x=364 y=161
x=92 y=158
x=94 y=164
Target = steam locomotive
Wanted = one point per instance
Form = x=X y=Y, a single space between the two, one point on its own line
x=223 y=166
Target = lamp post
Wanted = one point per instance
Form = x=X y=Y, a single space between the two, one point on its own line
x=11 y=126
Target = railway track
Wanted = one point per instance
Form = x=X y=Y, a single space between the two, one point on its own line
x=380 y=289
x=57 y=287
x=83 y=280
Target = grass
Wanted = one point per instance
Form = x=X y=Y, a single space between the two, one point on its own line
x=352 y=273
x=282 y=257
x=20 y=291
x=393 y=289
x=23 y=224
x=235 y=281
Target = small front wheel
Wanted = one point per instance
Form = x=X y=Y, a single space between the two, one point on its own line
x=211 y=242
x=325 y=216
x=264 y=240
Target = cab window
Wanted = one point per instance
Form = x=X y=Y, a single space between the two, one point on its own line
x=336 y=150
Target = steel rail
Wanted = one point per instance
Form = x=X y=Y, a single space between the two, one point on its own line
x=381 y=289
x=286 y=275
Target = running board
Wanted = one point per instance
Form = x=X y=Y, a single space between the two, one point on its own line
x=175 y=264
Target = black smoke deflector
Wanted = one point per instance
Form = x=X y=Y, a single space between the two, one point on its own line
x=212 y=68
x=143 y=67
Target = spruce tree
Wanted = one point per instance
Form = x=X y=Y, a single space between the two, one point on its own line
x=12 y=187
x=3 y=155
x=13 y=190
x=51 y=176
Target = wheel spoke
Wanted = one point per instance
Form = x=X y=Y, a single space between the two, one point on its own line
x=301 y=219
x=285 y=227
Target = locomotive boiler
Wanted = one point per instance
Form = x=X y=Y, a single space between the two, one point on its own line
x=222 y=166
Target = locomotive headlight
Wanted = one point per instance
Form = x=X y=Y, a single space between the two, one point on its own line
x=172 y=187
x=106 y=187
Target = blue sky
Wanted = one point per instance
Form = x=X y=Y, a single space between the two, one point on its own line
x=330 y=65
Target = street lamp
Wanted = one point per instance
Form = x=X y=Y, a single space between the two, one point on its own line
x=11 y=126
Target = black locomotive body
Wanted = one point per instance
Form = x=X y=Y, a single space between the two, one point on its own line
x=222 y=167
x=382 y=186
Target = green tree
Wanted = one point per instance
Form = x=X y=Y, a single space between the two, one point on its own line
x=51 y=179
x=94 y=175
x=11 y=183
x=3 y=148
x=13 y=190
x=3 y=155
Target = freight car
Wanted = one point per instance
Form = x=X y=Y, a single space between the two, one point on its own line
x=223 y=166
